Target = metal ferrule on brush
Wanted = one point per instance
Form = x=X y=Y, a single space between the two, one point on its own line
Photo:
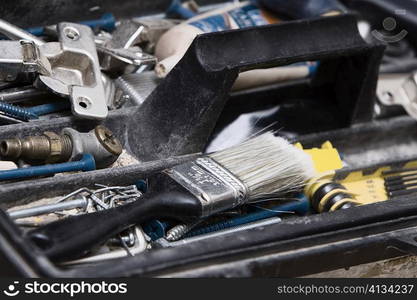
x=211 y=183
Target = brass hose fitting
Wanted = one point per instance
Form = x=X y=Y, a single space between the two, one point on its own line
x=48 y=147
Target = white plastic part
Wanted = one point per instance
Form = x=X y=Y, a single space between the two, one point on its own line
x=7 y=165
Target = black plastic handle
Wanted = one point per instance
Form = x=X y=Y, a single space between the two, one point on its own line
x=180 y=114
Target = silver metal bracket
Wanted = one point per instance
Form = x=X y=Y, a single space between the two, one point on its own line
x=76 y=70
x=21 y=57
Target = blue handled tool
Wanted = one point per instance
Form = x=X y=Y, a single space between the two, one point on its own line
x=86 y=163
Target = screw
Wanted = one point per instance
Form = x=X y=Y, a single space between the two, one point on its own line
x=164 y=243
x=48 y=108
x=177 y=232
x=86 y=163
x=301 y=206
x=17 y=112
x=46 y=209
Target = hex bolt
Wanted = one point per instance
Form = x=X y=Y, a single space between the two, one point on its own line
x=86 y=163
x=17 y=112
x=51 y=147
x=46 y=209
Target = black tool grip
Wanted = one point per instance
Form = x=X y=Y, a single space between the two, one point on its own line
x=74 y=236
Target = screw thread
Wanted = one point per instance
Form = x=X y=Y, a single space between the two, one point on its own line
x=177 y=232
x=66 y=144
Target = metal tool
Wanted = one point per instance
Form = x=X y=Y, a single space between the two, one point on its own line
x=31 y=113
x=21 y=94
x=46 y=209
x=51 y=147
x=86 y=163
x=48 y=108
x=150 y=31
x=15 y=33
x=136 y=87
x=17 y=57
x=76 y=70
x=258 y=169
x=17 y=112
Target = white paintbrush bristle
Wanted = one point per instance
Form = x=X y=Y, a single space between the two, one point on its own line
x=268 y=165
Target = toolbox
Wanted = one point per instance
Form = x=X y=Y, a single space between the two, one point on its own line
x=195 y=109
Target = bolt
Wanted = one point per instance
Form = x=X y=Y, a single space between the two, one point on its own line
x=86 y=163
x=17 y=112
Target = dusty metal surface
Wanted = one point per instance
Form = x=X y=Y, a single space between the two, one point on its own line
x=401 y=267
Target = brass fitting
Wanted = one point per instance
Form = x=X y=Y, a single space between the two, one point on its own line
x=48 y=147
x=51 y=147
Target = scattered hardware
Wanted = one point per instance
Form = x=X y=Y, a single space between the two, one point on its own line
x=343 y=189
x=280 y=167
x=106 y=22
x=170 y=111
x=46 y=209
x=399 y=89
x=400 y=182
x=301 y=206
x=51 y=147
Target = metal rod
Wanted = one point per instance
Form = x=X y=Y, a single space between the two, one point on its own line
x=15 y=33
x=266 y=222
x=15 y=95
x=46 y=209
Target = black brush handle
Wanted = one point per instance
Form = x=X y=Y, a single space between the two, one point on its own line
x=74 y=236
